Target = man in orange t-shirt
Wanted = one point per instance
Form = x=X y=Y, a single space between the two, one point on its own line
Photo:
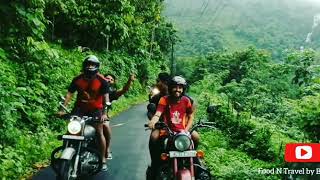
x=177 y=112
x=178 y=115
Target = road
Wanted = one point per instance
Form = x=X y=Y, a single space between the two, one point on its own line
x=129 y=146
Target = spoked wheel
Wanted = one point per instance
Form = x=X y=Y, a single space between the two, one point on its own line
x=65 y=172
x=55 y=159
x=62 y=167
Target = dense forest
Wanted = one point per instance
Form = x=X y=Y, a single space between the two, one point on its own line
x=257 y=63
x=42 y=46
x=208 y=25
x=260 y=107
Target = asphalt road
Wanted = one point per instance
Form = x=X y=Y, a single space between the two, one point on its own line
x=129 y=145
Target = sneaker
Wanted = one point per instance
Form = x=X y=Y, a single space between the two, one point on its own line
x=104 y=167
x=109 y=156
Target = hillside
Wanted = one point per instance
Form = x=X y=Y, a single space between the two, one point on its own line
x=209 y=25
x=256 y=62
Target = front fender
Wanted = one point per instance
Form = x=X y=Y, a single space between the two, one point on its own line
x=68 y=153
x=184 y=174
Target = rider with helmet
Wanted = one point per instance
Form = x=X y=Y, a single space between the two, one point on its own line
x=177 y=113
x=92 y=92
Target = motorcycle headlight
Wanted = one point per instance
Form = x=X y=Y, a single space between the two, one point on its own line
x=74 y=127
x=182 y=143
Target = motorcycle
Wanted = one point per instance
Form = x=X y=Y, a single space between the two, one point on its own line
x=78 y=156
x=179 y=159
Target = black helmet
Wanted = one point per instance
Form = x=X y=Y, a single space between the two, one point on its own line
x=90 y=65
x=178 y=80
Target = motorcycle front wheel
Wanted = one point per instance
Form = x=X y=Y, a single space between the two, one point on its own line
x=55 y=159
x=66 y=168
x=62 y=167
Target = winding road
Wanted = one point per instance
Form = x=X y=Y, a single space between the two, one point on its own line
x=129 y=146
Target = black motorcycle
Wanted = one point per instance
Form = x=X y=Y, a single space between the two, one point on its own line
x=78 y=156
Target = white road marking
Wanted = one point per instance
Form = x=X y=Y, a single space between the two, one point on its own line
x=117 y=125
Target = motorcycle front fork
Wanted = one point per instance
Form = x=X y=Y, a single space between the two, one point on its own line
x=76 y=162
x=175 y=167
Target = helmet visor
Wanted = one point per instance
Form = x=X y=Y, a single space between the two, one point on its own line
x=91 y=67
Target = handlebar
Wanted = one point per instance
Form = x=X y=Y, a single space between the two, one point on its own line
x=69 y=116
x=199 y=124
x=87 y=118
x=63 y=107
x=160 y=125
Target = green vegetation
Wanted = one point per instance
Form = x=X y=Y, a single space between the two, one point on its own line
x=42 y=47
x=246 y=58
x=210 y=25
x=260 y=106
x=238 y=58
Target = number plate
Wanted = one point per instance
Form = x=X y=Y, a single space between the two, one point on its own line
x=73 y=137
x=183 y=154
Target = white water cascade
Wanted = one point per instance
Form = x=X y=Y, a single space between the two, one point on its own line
x=316 y=22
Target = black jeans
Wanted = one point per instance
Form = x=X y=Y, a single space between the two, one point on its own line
x=95 y=114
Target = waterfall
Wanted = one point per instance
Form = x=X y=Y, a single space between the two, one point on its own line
x=316 y=22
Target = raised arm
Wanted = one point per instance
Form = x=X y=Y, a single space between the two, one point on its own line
x=126 y=86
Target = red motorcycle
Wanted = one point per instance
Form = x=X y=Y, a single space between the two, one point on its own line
x=179 y=159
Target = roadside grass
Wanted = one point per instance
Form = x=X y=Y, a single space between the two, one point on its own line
x=225 y=162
